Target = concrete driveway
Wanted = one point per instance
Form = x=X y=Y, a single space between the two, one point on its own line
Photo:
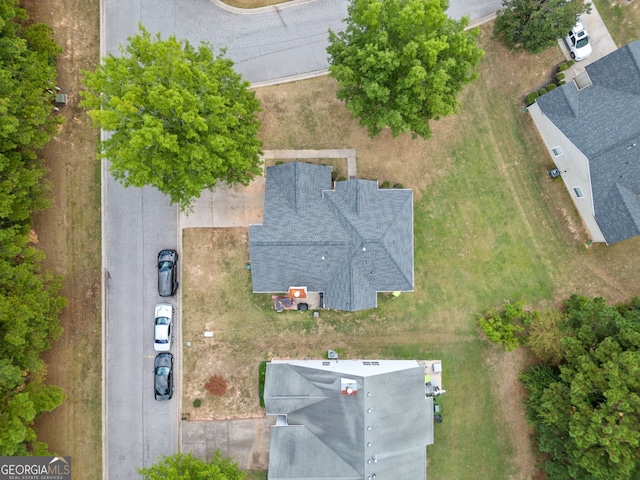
x=224 y=206
x=245 y=440
x=601 y=42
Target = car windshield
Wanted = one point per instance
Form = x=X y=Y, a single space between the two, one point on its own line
x=165 y=265
x=162 y=321
x=582 y=42
x=162 y=371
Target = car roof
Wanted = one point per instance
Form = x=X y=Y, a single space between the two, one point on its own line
x=162 y=333
x=162 y=386
x=165 y=287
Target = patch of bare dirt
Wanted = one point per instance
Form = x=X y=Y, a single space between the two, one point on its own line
x=307 y=115
x=510 y=394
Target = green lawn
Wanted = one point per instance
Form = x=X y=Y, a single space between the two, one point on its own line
x=622 y=18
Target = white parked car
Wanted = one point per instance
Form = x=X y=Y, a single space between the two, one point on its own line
x=163 y=327
x=578 y=42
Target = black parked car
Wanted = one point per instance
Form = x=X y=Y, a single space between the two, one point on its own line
x=163 y=376
x=167 y=273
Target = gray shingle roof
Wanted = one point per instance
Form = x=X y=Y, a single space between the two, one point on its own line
x=349 y=243
x=328 y=434
x=603 y=121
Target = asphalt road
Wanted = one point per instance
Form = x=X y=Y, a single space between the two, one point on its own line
x=137 y=223
x=278 y=43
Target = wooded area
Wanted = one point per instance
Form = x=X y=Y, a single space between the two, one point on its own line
x=583 y=390
x=29 y=302
x=586 y=410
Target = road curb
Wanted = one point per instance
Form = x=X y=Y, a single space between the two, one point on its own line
x=319 y=73
x=178 y=335
x=480 y=21
x=292 y=78
x=105 y=274
x=253 y=11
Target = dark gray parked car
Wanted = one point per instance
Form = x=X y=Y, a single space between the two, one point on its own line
x=167 y=273
x=163 y=376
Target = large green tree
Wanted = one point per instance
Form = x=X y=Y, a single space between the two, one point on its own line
x=587 y=412
x=29 y=300
x=181 y=466
x=27 y=80
x=178 y=117
x=535 y=25
x=400 y=63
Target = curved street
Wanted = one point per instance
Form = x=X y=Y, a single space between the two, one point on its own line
x=278 y=43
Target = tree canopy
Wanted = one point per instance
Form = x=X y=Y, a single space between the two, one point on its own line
x=179 y=118
x=181 y=466
x=587 y=411
x=29 y=300
x=400 y=63
x=536 y=26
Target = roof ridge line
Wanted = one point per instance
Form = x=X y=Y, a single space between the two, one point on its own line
x=384 y=244
x=623 y=197
x=628 y=138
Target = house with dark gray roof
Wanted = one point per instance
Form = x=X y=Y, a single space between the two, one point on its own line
x=591 y=127
x=348 y=419
x=347 y=242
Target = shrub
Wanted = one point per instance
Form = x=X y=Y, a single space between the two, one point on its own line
x=216 y=386
x=560 y=76
x=542 y=91
x=498 y=331
x=563 y=66
x=334 y=175
x=398 y=185
x=551 y=86
x=279 y=162
x=262 y=375
x=197 y=403
x=504 y=326
x=386 y=184
x=570 y=63
x=341 y=179
x=544 y=337
x=531 y=98
x=561 y=82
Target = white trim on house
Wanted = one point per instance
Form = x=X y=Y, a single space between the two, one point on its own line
x=574 y=169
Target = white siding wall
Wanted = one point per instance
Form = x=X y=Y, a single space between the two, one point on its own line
x=574 y=168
